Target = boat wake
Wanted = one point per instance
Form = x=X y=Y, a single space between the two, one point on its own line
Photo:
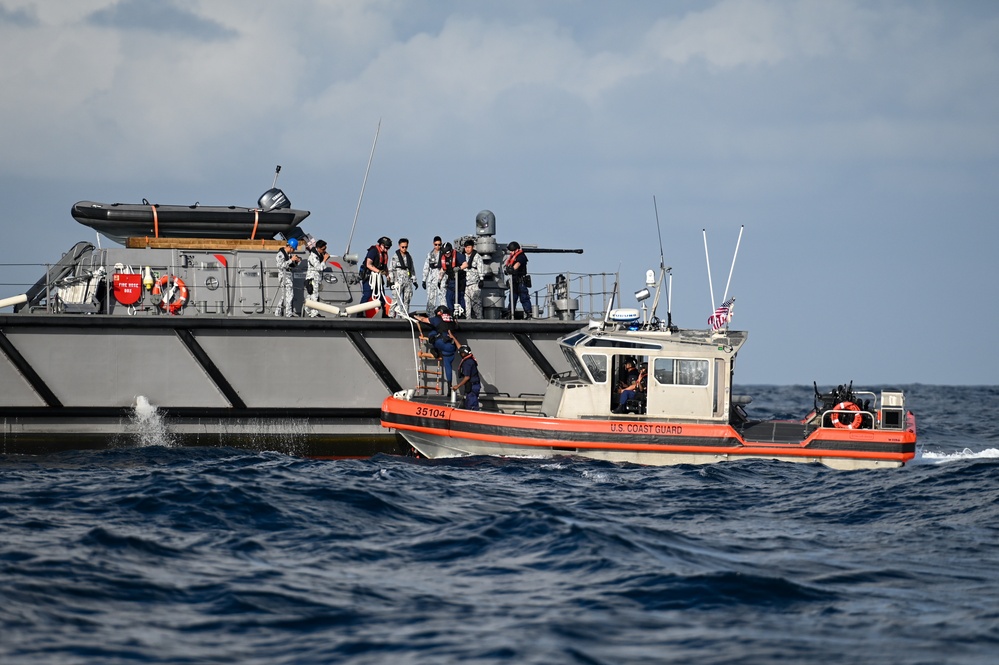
x=147 y=425
x=925 y=457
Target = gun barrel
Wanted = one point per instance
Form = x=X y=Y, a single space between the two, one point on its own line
x=549 y=250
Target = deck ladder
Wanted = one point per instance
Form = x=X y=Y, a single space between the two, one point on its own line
x=431 y=371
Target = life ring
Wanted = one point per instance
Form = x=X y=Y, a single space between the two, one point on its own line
x=847 y=406
x=175 y=298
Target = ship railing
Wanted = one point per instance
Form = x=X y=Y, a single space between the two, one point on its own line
x=74 y=284
x=570 y=296
x=12 y=279
x=566 y=296
x=568 y=379
x=524 y=403
x=869 y=419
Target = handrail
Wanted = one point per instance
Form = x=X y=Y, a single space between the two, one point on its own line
x=852 y=414
x=588 y=293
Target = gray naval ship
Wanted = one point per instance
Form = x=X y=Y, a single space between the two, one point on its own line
x=176 y=327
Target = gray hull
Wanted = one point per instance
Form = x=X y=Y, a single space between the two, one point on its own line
x=304 y=386
x=175 y=340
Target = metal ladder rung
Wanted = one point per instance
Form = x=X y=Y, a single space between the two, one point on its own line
x=434 y=371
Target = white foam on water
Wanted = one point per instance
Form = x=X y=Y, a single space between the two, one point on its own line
x=926 y=457
x=147 y=425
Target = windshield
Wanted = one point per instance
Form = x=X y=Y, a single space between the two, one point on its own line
x=577 y=368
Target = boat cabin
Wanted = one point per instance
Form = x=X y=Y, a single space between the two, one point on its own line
x=683 y=375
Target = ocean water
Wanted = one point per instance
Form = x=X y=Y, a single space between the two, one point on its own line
x=158 y=554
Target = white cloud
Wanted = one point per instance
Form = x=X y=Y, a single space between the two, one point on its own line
x=815 y=123
x=314 y=78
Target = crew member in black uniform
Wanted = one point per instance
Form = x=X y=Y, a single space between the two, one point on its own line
x=468 y=370
x=375 y=267
x=442 y=336
x=516 y=267
x=629 y=385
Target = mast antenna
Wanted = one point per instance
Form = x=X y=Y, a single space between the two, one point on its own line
x=663 y=271
x=363 y=184
x=707 y=259
x=735 y=254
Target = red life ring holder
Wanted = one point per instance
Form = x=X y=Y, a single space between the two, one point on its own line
x=178 y=295
x=847 y=406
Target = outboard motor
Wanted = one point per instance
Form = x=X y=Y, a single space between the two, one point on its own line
x=273 y=199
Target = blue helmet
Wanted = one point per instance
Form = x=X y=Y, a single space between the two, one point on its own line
x=293 y=243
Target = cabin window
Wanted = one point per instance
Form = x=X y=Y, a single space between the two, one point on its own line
x=717 y=406
x=596 y=364
x=680 y=371
x=692 y=372
x=577 y=367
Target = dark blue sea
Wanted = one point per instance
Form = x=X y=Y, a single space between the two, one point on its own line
x=156 y=554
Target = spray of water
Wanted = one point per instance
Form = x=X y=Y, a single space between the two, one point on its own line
x=147 y=426
x=924 y=457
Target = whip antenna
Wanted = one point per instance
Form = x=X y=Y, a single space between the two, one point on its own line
x=662 y=259
x=663 y=270
x=741 y=228
x=363 y=183
x=711 y=289
x=610 y=303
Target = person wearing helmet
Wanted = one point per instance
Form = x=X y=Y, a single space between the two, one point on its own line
x=448 y=280
x=441 y=337
x=515 y=267
x=432 y=276
x=468 y=370
x=374 y=272
x=314 y=275
x=286 y=262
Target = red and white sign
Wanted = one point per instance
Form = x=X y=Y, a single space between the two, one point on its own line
x=127 y=288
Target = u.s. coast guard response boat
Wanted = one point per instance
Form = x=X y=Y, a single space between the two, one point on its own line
x=680 y=409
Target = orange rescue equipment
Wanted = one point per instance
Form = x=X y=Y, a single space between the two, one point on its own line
x=174 y=298
x=847 y=406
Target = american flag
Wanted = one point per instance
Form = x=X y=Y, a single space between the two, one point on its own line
x=721 y=315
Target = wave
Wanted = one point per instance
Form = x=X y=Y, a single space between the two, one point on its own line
x=935 y=457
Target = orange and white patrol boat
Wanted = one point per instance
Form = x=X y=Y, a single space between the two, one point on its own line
x=683 y=412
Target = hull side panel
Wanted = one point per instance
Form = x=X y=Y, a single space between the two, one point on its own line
x=294 y=370
x=111 y=368
x=216 y=380
x=16 y=391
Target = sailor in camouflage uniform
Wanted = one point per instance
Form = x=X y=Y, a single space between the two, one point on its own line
x=314 y=274
x=286 y=262
x=403 y=278
x=473 y=270
x=432 y=277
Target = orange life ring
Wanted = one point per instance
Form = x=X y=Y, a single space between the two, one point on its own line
x=847 y=406
x=179 y=290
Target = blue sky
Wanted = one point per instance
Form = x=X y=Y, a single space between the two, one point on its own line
x=857 y=142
